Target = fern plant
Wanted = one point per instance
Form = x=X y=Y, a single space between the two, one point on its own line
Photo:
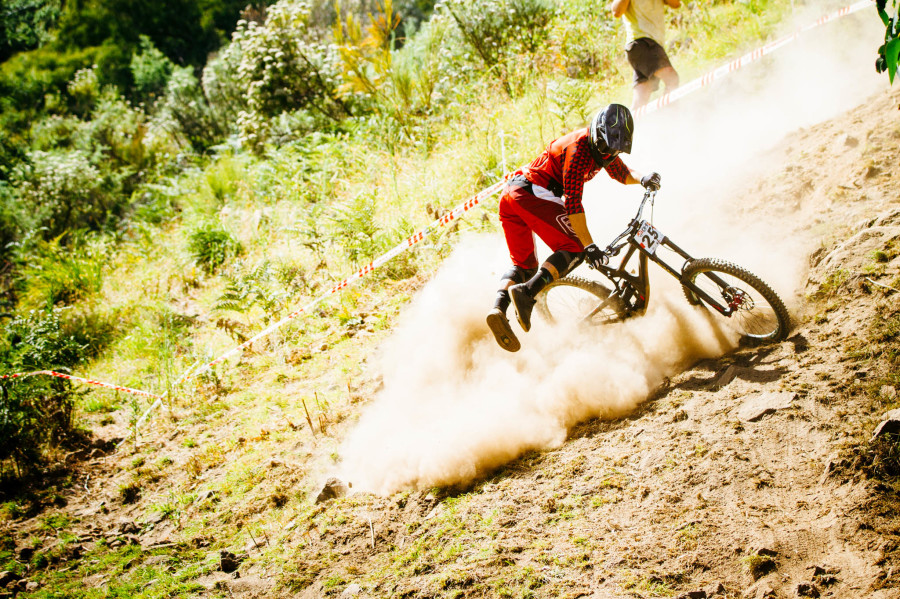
x=355 y=225
x=252 y=288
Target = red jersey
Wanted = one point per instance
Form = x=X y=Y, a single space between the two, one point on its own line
x=566 y=165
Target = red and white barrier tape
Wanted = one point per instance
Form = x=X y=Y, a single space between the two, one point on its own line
x=70 y=377
x=744 y=60
x=469 y=204
x=359 y=274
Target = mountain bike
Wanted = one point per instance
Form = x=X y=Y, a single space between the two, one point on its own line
x=751 y=307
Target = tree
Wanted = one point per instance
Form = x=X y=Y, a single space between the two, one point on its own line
x=889 y=52
x=26 y=24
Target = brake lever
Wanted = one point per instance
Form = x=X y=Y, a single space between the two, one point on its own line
x=614 y=251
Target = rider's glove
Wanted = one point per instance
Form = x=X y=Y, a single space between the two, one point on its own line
x=595 y=256
x=651 y=181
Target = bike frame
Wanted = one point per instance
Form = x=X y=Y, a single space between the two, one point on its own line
x=642 y=239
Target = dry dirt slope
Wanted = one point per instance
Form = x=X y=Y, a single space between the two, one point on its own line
x=691 y=496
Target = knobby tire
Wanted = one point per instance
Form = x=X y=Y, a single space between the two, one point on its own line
x=572 y=298
x=758 y=323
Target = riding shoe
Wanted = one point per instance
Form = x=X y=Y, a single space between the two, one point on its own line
x=503 y=333
x=523 y=303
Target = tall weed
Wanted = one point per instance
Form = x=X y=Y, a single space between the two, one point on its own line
x=222 y=178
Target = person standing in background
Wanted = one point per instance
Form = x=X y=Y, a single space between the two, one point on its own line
x=645 y=28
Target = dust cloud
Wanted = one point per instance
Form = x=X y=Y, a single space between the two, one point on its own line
x=454 y=405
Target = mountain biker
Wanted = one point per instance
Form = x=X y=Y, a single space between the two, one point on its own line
x=645 y=36
x=545 y=199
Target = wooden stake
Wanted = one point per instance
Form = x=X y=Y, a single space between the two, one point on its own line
x=308 y=419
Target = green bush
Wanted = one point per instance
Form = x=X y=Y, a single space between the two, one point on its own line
x=211 y=246
x=186 y=113
x=63 y=191
x=84 y=89
x=26 y=24
x=54 y=275
x=28 y=79
x=222 y=88
x=55 y=338
x=284 y=67
x=150 y=69
x=11 y=220
x=35 y=413
x=56 y=132
x=499 y=31
x=113 y=138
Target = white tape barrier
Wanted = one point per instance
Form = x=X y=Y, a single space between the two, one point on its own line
x=71 y=377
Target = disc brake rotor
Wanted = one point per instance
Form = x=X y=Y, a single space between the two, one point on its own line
x=737 y=299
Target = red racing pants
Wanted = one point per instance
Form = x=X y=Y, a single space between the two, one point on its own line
x=527 y=210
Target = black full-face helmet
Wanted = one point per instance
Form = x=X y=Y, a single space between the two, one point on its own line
x=610 y=133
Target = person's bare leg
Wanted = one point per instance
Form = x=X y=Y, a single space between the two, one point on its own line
x=669 y=76
x=642 y=93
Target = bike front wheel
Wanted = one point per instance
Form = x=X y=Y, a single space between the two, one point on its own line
x=579 y=300
x=753 y=309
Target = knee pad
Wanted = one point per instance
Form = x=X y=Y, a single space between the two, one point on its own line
x=517 y=274
x=564 y=261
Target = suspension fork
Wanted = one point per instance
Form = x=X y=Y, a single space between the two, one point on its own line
x=639 y=283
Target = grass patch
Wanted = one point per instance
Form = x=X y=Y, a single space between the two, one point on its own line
x=757 y=565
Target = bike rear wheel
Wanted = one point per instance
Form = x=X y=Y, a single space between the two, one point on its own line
x=575 y=299
x=758 y=314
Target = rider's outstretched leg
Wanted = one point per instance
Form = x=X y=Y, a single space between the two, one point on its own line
x=496 y=319
x=558 y=264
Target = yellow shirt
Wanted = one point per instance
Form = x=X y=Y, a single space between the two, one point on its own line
x=645 y=18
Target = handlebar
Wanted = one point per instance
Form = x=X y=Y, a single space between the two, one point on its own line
x=649 y=194
x=613 y=249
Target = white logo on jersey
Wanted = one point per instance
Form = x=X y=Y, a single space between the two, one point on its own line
x=563 y=221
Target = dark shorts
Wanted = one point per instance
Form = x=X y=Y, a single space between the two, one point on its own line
x=523 y=214
x=646 y=58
